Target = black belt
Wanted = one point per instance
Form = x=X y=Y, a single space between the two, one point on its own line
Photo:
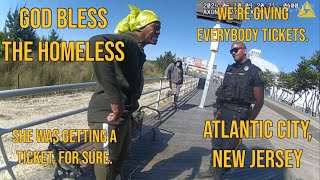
x=237 y=107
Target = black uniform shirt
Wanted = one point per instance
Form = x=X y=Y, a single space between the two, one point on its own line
x=255 y=73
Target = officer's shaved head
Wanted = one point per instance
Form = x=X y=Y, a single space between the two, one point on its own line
x=239 y=52
x=240 y=44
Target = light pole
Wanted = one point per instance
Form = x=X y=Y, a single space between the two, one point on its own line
x=214 y=49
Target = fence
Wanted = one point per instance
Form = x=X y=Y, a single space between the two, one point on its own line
x=296 y=106
x=189 y=84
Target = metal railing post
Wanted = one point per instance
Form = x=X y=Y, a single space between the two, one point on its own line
x=186 y=88
x=47 y=89
x=159 y=94
x=191 y=85
x=6 y=160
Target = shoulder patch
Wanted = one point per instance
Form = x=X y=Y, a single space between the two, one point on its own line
x=260 y=74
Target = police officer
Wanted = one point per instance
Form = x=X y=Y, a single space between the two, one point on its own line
x=242 y=87
x=119 y=86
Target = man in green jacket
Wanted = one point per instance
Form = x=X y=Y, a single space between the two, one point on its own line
x=119 y=86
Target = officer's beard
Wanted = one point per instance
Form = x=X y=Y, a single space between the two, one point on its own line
x=241 y=60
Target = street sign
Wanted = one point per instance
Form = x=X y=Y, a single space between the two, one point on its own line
x=208 y=10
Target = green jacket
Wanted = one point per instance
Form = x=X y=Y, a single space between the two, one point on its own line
x=117 y=81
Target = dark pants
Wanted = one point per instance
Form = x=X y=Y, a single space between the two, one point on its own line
x=228 y=115
x=175 y=90
x=118 y=151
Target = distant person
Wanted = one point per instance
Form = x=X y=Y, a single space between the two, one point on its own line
x=119 y=86
x=174 y=73
x=218 y=79
x=221 y=80
x=242 y=87
x=215 y=79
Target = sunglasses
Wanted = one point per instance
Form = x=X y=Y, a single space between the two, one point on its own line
x=235 y=50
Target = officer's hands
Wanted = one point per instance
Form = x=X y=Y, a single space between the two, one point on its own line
x=117 y=111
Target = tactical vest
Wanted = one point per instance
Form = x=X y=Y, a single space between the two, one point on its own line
x=237 y=87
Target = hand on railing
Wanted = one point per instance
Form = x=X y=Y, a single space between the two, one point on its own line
x=158 y=112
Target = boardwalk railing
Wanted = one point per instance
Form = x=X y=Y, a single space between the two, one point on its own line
x=315 y=114
x=285 y=96
x=189 y=84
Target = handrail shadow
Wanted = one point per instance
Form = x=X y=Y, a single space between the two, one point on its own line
x=248 y=173
x=190 y=159
x=168 y=111
x=145 y=149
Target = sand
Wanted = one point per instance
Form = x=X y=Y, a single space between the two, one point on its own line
x=16 y=111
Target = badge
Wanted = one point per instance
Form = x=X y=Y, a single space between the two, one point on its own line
x=246 y=68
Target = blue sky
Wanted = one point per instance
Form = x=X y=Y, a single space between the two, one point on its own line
x=179 y=29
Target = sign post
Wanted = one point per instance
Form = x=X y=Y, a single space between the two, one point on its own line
x=214 y=48
x=207 y=9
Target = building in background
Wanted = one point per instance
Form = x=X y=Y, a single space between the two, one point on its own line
x=196 y=66
x=255 y=57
